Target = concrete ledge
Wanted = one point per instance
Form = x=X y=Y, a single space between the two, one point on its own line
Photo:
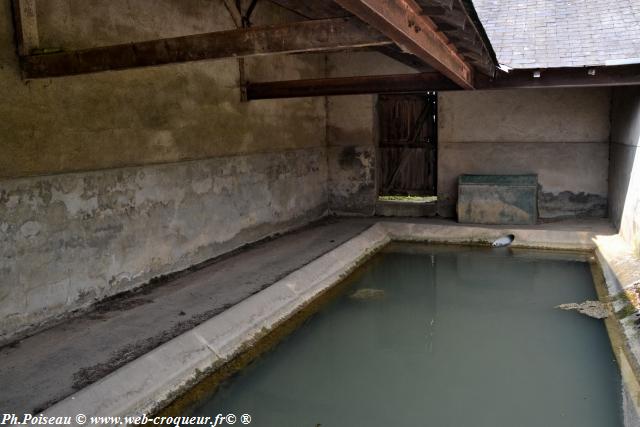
x=534 y=237
x=149 y=382
x=621 y=271
x=620 y=265
x=406 y=208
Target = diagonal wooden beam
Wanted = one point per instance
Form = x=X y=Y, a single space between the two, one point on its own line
x=235 y=14
x=402 y=22
x=322 y=9
x=397 y=83
x=306 y=36
x=25 y=18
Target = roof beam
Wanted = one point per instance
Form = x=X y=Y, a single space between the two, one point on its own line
x=394 y=52
x=618 y=75
x=322 y=9
x=306 y=36
x=399 y=83
x=402 y=22
x=442 y=3
x=623 y=75
x=446 y=18
x=315 y=9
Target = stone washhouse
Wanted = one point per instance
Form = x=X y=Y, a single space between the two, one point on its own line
x=163 y=161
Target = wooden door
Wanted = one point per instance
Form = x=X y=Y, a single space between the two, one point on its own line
x=408 y=144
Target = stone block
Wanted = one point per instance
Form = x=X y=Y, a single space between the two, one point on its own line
x=497 y=199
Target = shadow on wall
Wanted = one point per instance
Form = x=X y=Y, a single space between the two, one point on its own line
x=352 y=188
x=561 y=135
x=628 y=219
x=624 y=179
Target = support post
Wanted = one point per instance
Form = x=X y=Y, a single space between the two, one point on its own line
x=26 y=26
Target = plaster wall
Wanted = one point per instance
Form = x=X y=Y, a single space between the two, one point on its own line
x=147 y=115
x=352 y=123
x=624 y=171
x=559 y=134
x=108 y=180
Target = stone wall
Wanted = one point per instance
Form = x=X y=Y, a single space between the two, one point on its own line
x=352 y=138
x=108 y=180
x=147 y=115
x=624 y=170
x=560 y=134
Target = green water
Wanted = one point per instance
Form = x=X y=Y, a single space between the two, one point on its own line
x=462 y=337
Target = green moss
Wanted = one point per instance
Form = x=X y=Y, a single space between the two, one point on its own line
x=46 y=50
x=625 y=311
x=425 y=199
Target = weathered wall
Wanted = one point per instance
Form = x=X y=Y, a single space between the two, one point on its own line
x=352 y=123
x=624 y=168
x=148 y=115
x=107 y=180
x=560 y=134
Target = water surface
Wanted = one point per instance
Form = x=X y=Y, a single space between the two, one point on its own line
x=462 y=337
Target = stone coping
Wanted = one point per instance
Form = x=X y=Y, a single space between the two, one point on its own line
x=150 y=382
x=621 y=277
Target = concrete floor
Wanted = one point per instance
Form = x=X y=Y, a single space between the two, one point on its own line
x=51 y=365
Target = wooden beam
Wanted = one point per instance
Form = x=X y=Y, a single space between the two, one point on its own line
x=394 y=52
x=618 y=75
x=467 y=42
x=306 y=36
x=623 y=75
x=445 y=18
x=454 y=19
x=235 y=14
x=471 y=53
x=442 y=3
x=314 y=9
x=25 y=19
x=402 y=22
x=400 y=83
x=456 y=35
x=322 y=9
x=484 y=64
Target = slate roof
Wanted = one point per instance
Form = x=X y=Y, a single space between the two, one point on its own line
x=562 y=33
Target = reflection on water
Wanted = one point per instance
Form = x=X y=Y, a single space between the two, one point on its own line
x=461 y=337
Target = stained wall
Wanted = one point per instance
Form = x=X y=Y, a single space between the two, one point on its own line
x=108 y=180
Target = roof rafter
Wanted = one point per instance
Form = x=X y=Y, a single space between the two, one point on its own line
x=403 y=22
x=398 y=83
x=322 y=9
x=305 y=36
x=26 y=25
x=621 y=75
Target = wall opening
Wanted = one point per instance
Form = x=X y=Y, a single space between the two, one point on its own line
x=407 y=164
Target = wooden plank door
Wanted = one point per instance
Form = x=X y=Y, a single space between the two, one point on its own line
x=408 y=144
